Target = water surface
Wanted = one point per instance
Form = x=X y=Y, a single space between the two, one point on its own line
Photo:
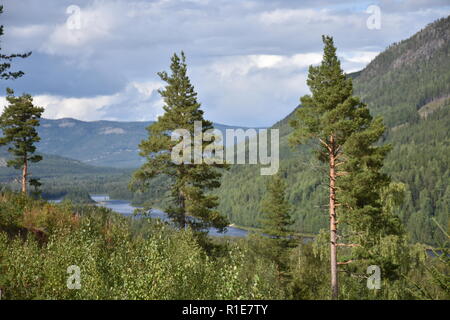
x=124 y=207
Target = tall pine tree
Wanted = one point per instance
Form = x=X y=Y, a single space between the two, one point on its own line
x=190 y=183
x=344 y=134
x=18 y=123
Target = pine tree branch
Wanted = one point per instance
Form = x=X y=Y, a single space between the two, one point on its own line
x=354 y=275
x=348 y=245
x=339 y=155
x=345 y=262
x=336 y=152
x=325 y=145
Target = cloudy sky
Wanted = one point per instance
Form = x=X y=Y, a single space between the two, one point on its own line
x=248 y=60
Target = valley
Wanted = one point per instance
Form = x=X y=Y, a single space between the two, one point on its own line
x=337 y=187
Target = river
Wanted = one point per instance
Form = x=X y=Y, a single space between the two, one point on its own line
x=124 y=207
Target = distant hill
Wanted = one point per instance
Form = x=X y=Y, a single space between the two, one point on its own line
x=51 y=166
x=409 y=85
x=99 y=143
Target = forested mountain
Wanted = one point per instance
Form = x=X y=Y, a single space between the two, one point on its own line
x=99 y=143
x=409 y=85
x=51 y=166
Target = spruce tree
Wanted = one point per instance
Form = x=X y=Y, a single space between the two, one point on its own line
x=18 y=123
x=276 y=221
x=5 y=60
x=191 y=204
x=344 y=135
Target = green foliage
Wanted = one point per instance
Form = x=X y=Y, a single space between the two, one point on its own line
x=408 y=75
x=276 y=221
x=425 y=152
x=276 y=209
x=56 y=167
x=434 y=281
x=345 y=134
x=78 y=196
x=119 y=258
x=310 y=278
x=18 y=123
x=125 y=258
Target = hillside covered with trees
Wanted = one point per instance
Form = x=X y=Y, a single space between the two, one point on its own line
x=408 y=84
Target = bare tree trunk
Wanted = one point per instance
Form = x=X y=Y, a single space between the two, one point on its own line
x=24 y=175
x=333 y=223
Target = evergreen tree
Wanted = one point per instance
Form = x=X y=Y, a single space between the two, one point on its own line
x=276 y=221
x=276 y=210
x=344 y=133
x=18 y=122
x=36 y=191
x=5 y=60
x=190 y=203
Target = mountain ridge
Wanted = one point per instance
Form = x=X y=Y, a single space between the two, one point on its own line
x=99 y=143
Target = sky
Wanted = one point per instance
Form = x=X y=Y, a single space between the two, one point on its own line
x=248 y=60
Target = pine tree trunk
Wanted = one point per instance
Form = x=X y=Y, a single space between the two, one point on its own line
x=333 y=224
x=24 y=175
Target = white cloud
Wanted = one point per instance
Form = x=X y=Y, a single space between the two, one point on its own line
x=138 y=101
x=238 y=66
x=262 y=88
x=80 y=108
x=361 y=57
x=306 y=16
x=356 y=60
x=257 y=87
x=85 y=28
x=28 y=31
x=247 y=59
x=3 y=103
